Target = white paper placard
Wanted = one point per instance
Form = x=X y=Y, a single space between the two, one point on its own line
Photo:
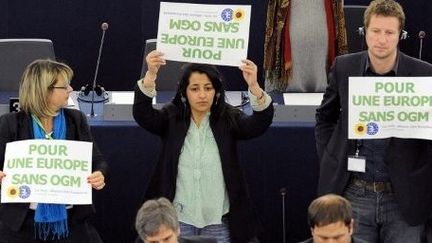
x=204 y=33
x=383 y=107
x=47 y=171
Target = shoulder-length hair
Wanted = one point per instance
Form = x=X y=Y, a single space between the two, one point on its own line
x=36 y=82
x=219 y=108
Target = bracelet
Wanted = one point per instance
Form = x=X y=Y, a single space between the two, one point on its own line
x=150 y=89
x=151 y=74
x=262 y=95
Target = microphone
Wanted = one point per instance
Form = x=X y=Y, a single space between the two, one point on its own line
x=95 y=90
x=421 y=36
x=104 y=28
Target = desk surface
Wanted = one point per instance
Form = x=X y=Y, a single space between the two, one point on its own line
x=298 y=110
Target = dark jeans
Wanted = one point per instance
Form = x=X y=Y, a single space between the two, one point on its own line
x=78 y=233
x=219 y=232
x=377 y=217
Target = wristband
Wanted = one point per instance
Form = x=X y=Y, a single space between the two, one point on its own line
x=262 y=95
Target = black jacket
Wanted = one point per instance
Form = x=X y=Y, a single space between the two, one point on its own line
x=409 y=161
x=165 y=123
x=18 y=126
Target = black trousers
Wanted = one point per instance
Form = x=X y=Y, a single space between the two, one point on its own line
x=79 y=232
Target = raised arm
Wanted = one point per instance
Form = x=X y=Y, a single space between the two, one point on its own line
x=250 y=70
x=145 y=115
x=154 y=61
x=260 y=120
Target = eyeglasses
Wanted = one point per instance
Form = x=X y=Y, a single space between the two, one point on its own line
x=60 y=87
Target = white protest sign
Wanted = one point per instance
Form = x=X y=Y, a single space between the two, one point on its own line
x=383 y=107
x=204 y=33
x=47 y=171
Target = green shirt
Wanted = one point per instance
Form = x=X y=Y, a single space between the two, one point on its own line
x=201 y=197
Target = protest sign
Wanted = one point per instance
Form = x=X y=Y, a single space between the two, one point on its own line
x=47 y=171
x=204 y=33
x=383 y=107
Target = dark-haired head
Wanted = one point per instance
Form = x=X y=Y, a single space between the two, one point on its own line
x=330 y=219
x=181 y=101
x=329 y=209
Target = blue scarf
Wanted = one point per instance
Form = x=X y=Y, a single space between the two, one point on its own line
x=50 y=219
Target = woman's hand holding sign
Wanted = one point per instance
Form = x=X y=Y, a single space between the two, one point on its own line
x=154 y=61
x=97 y=180
x=1 y=176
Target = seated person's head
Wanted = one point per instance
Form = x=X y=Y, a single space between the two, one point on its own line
x=157 y=221
x=330 y=219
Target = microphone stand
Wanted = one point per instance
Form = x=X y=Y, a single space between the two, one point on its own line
x=421 y=36
x=104 y=28
x=283 y=192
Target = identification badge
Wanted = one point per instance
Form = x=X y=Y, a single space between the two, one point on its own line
x=356 y=163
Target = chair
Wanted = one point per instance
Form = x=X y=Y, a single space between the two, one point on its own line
x=354 y=20
x=16 y=54
x=169 y=75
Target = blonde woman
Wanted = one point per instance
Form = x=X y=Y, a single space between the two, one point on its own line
x=44 y=92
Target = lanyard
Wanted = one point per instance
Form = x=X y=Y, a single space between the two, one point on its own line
x=359 y=143
x=47 y=135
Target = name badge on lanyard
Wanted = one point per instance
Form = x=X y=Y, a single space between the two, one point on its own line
x=357 y=163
